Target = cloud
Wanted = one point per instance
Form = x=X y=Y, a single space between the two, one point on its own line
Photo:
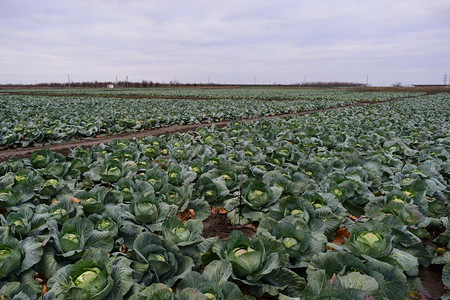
x=228 y=41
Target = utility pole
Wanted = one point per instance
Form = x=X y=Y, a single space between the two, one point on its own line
x=367 y=80
x=68 y=78
x=445 y=79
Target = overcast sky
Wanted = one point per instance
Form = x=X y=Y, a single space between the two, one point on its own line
x=227 y=41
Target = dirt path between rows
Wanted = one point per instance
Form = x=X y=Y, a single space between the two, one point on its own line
x=66 y=147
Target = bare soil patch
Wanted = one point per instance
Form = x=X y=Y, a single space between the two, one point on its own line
x=432 y=281
x=219 y=226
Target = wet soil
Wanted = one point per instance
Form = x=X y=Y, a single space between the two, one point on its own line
x=432 y=276
x=432 y=281
x=219 y=226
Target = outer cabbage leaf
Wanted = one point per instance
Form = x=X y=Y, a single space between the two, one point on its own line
x=165 y=262
x=155 y=291
x=18 y=256
x=182 y=234
x=95 y=276
x=370 y=240
x=213 y=283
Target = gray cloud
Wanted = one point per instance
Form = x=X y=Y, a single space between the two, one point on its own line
x=229 y=41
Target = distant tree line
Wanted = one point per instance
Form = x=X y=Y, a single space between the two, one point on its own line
x=86 y=84
x=149 y=84
x=331 y=84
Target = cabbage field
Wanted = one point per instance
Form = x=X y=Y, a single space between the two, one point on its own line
x=27 y=120
x=33 y=120
x=228 y=93
x=346 y=203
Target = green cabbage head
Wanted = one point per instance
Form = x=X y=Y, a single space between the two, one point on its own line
x=69 y=241
x=40 y=158
x=145 y=211
x=89 y=276
x=374 y=242
x=246 y=260
x=257 y=195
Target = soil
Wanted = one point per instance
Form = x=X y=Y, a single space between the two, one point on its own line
x=219 y=226
x=432 y=281
x=432 y=276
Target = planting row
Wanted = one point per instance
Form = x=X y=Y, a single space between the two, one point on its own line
x=341 y=201
x=26 y=120
x=232 y=93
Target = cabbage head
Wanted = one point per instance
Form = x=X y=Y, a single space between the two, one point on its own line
x=370 y=240
x=90 y=277
x=249 y=257
x=145 y=209
x=94 y=276
x=182 y=234
x=164 y=260
x=257 y=195
x=10 y=257
x=18 y=256
x=40 y=158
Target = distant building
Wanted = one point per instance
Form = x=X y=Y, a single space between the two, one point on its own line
x=110 y=86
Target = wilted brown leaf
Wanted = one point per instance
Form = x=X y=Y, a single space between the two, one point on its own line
x=42 y=281
x=75 y=200
x=186 y=215
x=333 y=279
x=124 y=249
x=356 y=219
x=44 y=289
x=44 y=243
x=339 y=238
x=352 y=217
x=252 y=227
x=218 y=211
